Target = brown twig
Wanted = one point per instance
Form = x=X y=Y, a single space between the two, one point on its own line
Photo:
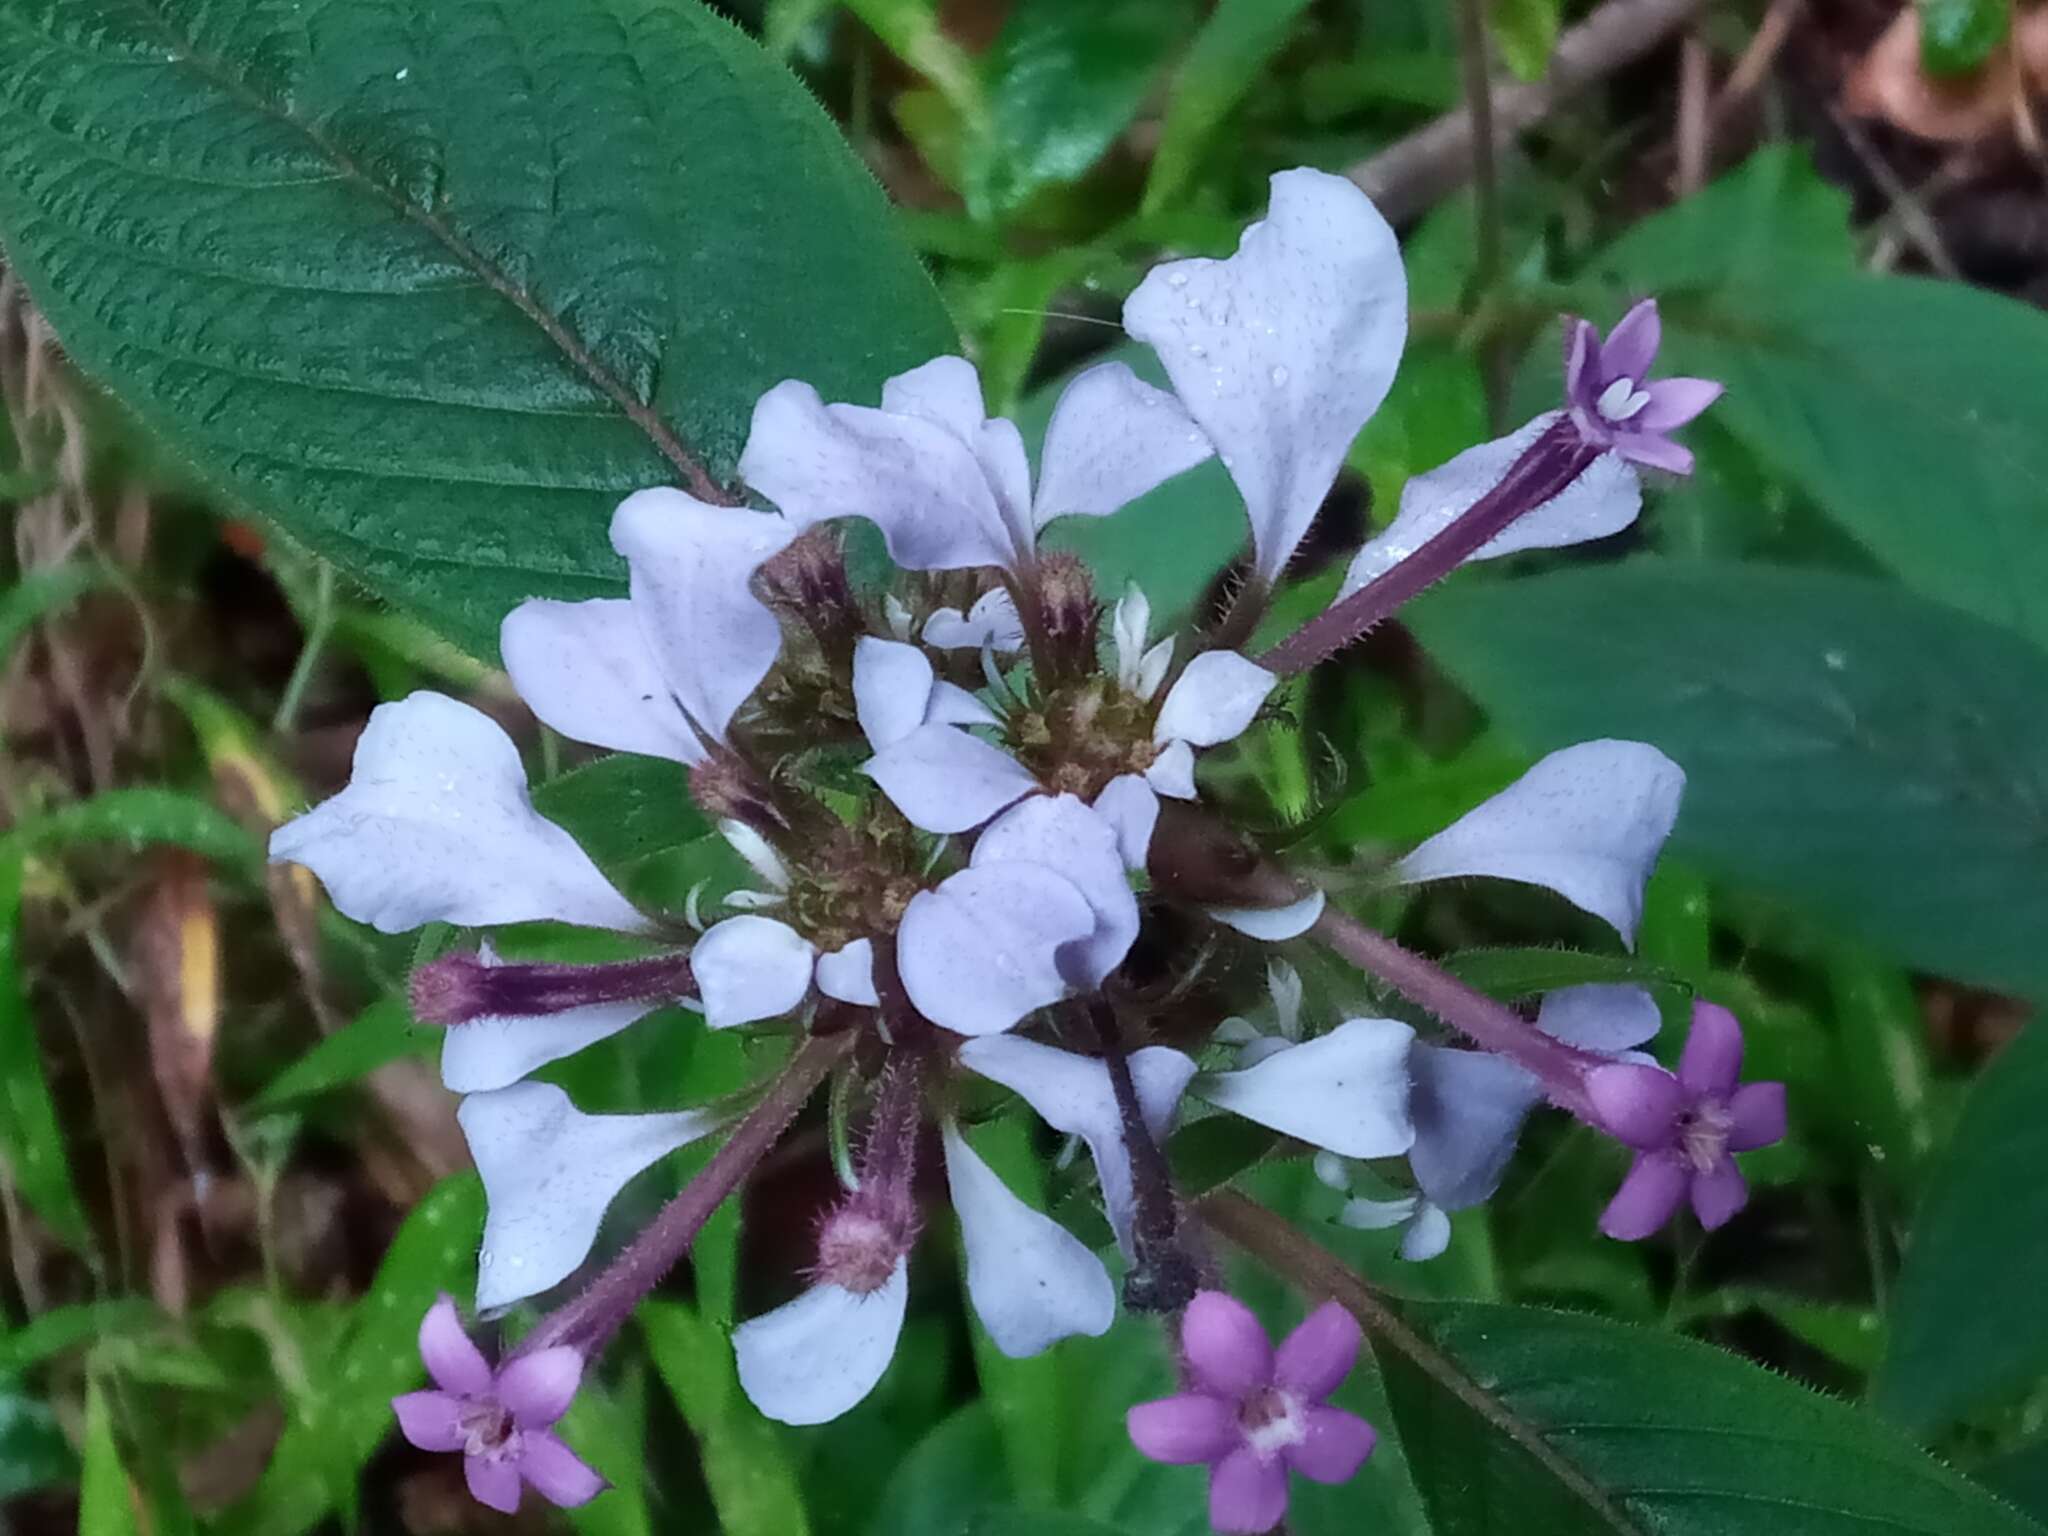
x=1411 y=174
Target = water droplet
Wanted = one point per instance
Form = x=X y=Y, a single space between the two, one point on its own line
x=1835 y=660
x=403 y=73
x=1177 y=279
x=1197 y=350
x=1280 y=376
x=1228 y=461
x=486 y=1259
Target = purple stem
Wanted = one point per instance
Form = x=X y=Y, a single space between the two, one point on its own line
x=1491 y=1025
x=457 y=988
x=590 y=1318
x=1546 y=467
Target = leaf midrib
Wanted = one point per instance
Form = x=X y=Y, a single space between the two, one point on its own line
x=696 y=476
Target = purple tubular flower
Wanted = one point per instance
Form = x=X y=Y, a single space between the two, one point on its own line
x=1614 y=403
x=502 y=1421
x=1255 y=1413
x=1684 y=1128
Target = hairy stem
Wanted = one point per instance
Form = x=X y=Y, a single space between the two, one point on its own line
x=1472 y=1013
x=1163 y=1277
x=1546 y=467
x=591 y=1317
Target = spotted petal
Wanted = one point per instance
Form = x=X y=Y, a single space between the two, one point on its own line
x=813 y=1358
x=549 y=1172
x=436 y=826
x=1033 y=1282
x=1282 y=351
x=1586 y=822
x=1603 y=500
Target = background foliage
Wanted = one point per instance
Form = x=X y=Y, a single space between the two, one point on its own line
x=420 y=287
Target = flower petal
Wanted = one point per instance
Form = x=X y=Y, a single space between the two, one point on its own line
x=1603 y=500
x=1607 y=1019
x=1228 y=1353
x=494 y=1052
x=1719 y=1193
x=945 y=392
x=1346 y=1090
x=587 y=671
x=537 y=1389
x=1273 y=924
x=1758 y=1114
x=1063 y=834
x=1674 y=402
x=892 y=684
x=493 y=1484
x=1213 y=700
x=1282 y=351
x=549 y=1171
x=750 y=968
x=945 y=780
x=1033 y=1282
x=1711 y=1063
x=1173 y=771
x=1647 y=1198
x=1631 y=347
x=1586 y=822
x=452 y=1359
x=983 y=949
x=436 y=826
x=993 y=621
x=1184 y=1430
x=1428 y=1234
x=1468 y=1108
x=1247 y=1493
x=849 y=974
x=1333 y=1447
x=1131 y=807
x=1653 y=450
x=431 y=1420
x=813 y=1358
x=1112 y=438
x=1638 y=1105
x=692 y=568
x=1072 y=1093
x=557 y=1473
x=953 y=705
x=1319 y=1354
x=920 y=483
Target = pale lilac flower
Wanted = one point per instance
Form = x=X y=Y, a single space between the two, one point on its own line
x=949 y=487
x=1615 y=403
x=1684 y=1127
x=1282 y=351
x=1345 y=1091
x=1254 y=1414
x=1586 y=822
x=502 y=1421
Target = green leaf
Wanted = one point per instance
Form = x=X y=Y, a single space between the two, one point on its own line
x=1959 y=36
x=625 y=809
x=1512 y=974
x=41 y=593
x=1966 y=1316
x=747 y=1464
x=1065 y=78
x=1879 y=758
x=382 y=1033
x=62 y=1329
x=344 y=1413
x=610 y=1422
x=1909 y=410
x=1525 y=31
x=1235 y=43
x=105 y=1499
x=1552 y=1423
x=33 y=1451
x=134 y=819
x=30 y=1138
x=435 y=284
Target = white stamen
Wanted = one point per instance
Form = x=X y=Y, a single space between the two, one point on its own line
x=761 y=858
x=1621 y=400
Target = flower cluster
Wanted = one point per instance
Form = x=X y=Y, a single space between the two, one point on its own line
x=951 y=794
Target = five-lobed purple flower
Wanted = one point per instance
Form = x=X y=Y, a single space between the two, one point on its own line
x=1684 y=1126
x=1613 y=401
x=502 y=1421
x=1255 y=1413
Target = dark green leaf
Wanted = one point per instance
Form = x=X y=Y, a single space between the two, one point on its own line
x=1512 y=974
x=382 y=1033
x=1966 y=1316
x=1064 y=79
x=33 y=1451
x=1959 y=36
x=135 y=818
x=66 y=1328
x=1525 y=31
x=1880 y=758
x=435 y=284
x=625 y=809
x=1574 y=1425
x=30 y=1137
